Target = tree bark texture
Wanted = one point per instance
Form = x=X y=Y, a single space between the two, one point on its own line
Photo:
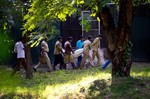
x=28 y=59
x=118 y=38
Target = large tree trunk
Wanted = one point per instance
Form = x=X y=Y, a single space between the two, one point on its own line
x=118 y=38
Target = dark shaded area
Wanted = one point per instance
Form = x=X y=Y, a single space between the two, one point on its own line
x=71 y=27
x=140 y=33
x=17 y=96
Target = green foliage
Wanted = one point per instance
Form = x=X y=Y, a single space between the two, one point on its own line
x=43 y=13
x=43 y=16
x=5 y=46
x=86 y=24
x=10 y=13
x=140 y=2
x=135 y=2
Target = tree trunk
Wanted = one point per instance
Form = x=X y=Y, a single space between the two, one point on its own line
x=28 y=59
x=118 y=38
x=29 y=72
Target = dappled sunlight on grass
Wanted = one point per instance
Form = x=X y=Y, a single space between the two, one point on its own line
x=141 y=71
x=79 y=84
x=141 y=74
x=74 y=86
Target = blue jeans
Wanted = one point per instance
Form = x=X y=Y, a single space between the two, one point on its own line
x=79 y=61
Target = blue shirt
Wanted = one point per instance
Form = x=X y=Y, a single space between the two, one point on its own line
x=79 y=44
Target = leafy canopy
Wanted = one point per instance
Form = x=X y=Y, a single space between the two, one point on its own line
x=44 y=15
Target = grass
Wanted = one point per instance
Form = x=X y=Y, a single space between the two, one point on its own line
x=91 y=83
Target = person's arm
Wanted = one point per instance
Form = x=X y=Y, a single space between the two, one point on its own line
x=83 y=45
x=59 y=48
x=71 y=48
x=90 y=46
x=94 y=42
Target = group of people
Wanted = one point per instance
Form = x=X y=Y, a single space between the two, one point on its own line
x=64 y=56
x=61 y=56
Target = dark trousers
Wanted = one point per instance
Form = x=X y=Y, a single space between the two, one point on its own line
x=79 y=61
x=58 y=59
x=20 y=61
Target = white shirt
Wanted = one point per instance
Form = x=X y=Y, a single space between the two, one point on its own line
x=19 y=49
x=44 y=46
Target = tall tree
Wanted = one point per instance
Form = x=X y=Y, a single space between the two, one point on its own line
x=117 y=34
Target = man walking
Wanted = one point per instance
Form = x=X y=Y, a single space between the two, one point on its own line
x=67 y=54
x=44 y=58
x=58 y=58
x=86 y=49
x=19 y=49
x=95 y=46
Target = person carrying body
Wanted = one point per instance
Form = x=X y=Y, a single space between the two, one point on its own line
x=86 y=49
x=95 y=46
x=67 y=55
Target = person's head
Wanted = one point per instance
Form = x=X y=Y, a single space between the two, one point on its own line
x=46 y=39
x=82 y=38
x=90 y=38
x=60 y=38
x=70 y=39
x=22 y=39
x=100 y=36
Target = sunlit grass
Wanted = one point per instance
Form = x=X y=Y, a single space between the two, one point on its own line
x=80 y=84
x=142 y=70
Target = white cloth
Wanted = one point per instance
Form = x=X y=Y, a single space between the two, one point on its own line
x=44 y=46
x=77 y=53
x=19 y=49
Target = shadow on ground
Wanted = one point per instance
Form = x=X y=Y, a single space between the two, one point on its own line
x=120 y=88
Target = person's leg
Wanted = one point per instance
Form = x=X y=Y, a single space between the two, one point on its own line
x=24 y=64
x=48 y=61
x=37 y=65
x=61 y=61
x=73 y=65
x=98 y=58
x=16 y=67
x=83 y=59
x=71 y=61
x=89 y=60
x=93 y=54
x=55 y=62
x=79 y=61
x=66 y=59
